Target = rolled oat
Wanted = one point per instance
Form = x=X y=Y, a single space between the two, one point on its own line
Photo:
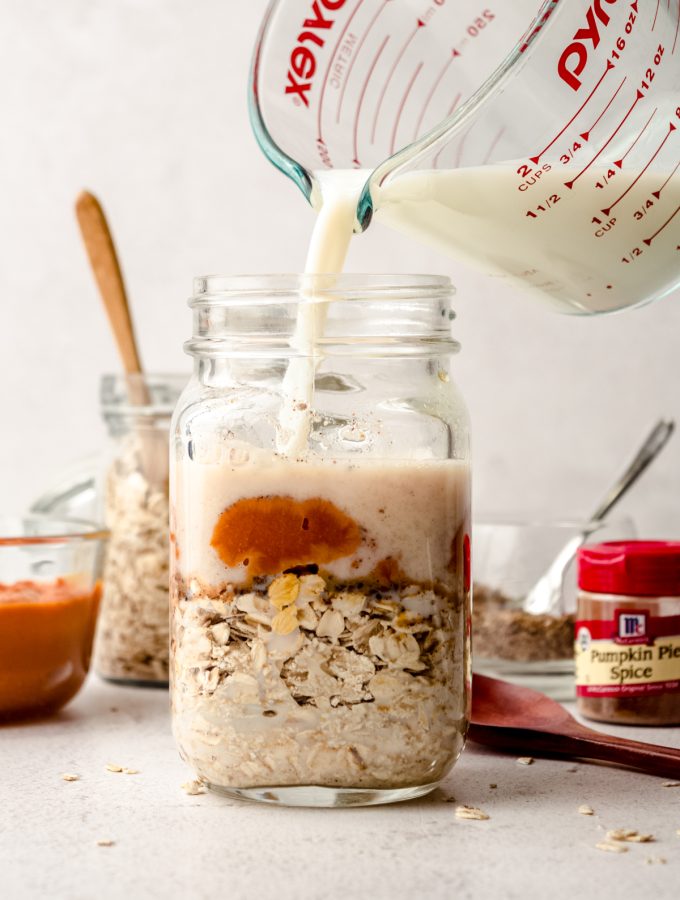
x=470 y=812
x=132 y=632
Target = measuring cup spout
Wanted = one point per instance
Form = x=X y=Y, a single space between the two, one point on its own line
x=271 y=149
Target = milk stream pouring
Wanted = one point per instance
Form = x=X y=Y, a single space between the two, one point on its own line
x=327 y=251
x=539 y=141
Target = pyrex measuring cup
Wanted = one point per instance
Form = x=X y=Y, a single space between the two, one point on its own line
x=538 y=140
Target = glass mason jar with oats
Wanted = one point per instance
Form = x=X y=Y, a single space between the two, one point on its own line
x=131 y=645
x=320 y=529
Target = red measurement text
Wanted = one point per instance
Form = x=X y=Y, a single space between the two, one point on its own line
x=603 y=227
x=543 y=207
x=531 y=176
x=634 y=254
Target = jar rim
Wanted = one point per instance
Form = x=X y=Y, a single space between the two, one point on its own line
x=289 y=287
x=258 y=316
x=142 y=394
x=39 y=528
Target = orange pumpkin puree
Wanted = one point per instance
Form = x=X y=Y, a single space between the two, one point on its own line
x=270 y=534
x=46 y=633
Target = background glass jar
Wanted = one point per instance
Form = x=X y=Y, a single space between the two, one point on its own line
x=512 y=639
x=132 y=635
x=320 y=625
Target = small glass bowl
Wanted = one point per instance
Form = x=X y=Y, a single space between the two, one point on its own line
x=50 y=573
x=510 y=640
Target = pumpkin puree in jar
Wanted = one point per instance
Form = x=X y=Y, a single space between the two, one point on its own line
x=271 y=534
x=46 y=633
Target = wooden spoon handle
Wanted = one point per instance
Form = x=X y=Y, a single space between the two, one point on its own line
x=648 y=757
x=662 y=761
x=106 y=268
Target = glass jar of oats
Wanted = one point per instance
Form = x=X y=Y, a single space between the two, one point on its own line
x=131 y=644
x=628 y=632
x=320 y=522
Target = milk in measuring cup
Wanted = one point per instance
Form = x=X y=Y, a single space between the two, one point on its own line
x=551 y=244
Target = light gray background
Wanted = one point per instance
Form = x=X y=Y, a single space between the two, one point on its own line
x=143 y=102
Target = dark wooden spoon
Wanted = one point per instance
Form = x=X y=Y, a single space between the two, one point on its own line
x=519 y=720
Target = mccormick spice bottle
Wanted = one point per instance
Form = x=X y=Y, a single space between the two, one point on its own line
x=628 y=632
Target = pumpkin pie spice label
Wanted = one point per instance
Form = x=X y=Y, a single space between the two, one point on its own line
x=632 y=653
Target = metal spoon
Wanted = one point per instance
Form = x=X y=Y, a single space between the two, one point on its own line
x=544 y=597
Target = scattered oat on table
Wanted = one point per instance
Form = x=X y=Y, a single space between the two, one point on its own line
x=68 y=777
x=193 y=787
x=655 y=860
x=629 y=835
x=130 y=771
x=493 y=786
x=112 y=767
x=105 y=842
x=526 y=761
x=470 y=812
x=612 y=847
x=586 y=810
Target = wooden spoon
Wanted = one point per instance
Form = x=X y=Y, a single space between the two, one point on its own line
x=103 y=258
x=104 y=261
x=519 y=720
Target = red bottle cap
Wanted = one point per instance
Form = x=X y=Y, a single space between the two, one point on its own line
x=636 y=568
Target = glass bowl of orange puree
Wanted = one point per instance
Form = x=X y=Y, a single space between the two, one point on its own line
x=50 y=572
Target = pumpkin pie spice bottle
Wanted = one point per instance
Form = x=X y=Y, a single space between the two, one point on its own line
x=628 y=632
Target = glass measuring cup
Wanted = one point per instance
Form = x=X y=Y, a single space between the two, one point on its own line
x=540 y=141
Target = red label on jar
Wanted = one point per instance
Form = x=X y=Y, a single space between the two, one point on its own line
x=633 y=653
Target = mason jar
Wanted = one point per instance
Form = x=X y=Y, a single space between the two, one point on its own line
x=320 y=529
x=132 y=635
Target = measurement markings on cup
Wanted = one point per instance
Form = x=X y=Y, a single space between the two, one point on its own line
x=586 y=134
x=607 y=70
x=619 y=162
x=354 y=58
x=570 y=184
x=649 y=204
x=668 y=221
x=657 y=194
x=330 y=65
x=362 y=94
x=670 y=131
x=419 y=24
x=402 y=104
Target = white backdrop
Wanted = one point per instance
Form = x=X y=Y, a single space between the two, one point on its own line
x=143 y=102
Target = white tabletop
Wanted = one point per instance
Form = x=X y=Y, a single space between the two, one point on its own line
x=169 y=845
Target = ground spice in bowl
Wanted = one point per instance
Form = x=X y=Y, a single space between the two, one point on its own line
x=502 y=630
